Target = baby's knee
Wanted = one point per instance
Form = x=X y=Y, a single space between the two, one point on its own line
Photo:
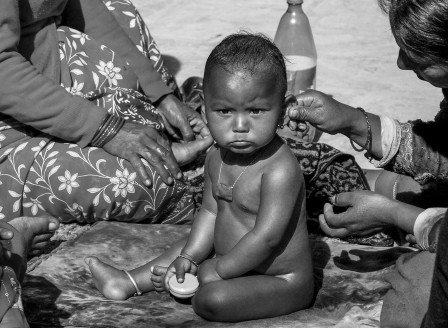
x=209 y=303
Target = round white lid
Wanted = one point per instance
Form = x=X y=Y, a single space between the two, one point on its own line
x=189 y=286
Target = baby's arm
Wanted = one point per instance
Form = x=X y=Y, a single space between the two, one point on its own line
x=280 y=190
x=200 y=241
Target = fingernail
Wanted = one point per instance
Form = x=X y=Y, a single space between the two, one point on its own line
x=151 y=269
x=332 y=199
x=170 y=180
x=179 y=175
x=180 y=280
x=147 y=183
x=52 y=226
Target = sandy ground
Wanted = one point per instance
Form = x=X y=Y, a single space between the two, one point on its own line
x=356 y=50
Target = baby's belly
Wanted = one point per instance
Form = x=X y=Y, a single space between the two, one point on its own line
x=281 y=261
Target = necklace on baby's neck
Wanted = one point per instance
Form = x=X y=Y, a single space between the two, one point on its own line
x=225 y=191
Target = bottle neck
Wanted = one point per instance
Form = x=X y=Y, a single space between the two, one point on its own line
x=295 y=8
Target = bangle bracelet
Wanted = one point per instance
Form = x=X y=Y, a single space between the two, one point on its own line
x=369 y=134
x=189 y=258
x=100 y=129
x=108 y=129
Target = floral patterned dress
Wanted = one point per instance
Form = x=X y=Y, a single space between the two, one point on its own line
x=42 y=174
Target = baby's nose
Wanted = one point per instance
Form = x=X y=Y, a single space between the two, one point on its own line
x=240 y=124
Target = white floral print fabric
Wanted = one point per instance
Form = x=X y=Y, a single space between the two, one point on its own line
x=40 y=174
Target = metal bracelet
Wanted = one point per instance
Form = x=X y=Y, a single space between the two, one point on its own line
x=189 y=258
x=369 y=133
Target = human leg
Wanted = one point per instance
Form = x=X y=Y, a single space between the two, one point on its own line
x=133 y=24
x=16 y=239
x=115 y=284
x=437 y=314
x=406 y=302
x=252 y=297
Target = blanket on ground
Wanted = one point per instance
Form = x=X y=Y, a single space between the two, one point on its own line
x=59 y=291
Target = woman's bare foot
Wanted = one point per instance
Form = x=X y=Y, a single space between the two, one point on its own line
x=22 y=234
x=113 y=283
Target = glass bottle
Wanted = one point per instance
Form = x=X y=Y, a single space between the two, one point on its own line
x=295 y=40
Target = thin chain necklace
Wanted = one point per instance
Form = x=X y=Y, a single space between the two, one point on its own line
x=225 y=191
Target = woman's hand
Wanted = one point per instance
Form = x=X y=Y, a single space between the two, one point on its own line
x=325 y=113
x=178 y=117
x=207 y=272
x=138 y=143
x=358 y=212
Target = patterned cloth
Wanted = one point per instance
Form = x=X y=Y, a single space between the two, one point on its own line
x=421 y=154
x=11 y=300
x=40 y=173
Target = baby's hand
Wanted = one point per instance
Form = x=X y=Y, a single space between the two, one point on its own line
x=179 y=267
x=207 y=272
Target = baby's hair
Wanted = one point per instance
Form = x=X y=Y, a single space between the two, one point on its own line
x=420 y=25
x=253 y=53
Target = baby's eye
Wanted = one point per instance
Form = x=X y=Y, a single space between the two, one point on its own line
x=256 y=111
x=224 y=111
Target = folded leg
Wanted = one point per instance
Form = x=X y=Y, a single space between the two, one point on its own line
x=252 y=297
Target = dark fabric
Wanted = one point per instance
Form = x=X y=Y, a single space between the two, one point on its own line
x=437 y=315
x=423 y=155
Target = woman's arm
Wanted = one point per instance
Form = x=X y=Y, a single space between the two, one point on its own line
x=279 y=192
x=35 y=100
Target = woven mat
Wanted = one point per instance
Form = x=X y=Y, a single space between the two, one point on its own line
x=59 y=291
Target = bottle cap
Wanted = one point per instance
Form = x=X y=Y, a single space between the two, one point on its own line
x=186 y=289
x=295 y=2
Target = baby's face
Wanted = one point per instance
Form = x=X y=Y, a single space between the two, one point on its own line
x=242 y=110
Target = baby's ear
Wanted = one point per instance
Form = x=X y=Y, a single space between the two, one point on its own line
x=288 y=101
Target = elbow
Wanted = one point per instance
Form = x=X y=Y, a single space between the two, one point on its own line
x=271 y=241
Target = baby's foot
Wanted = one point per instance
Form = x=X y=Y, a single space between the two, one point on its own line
x=158 y=277
x=113 y=283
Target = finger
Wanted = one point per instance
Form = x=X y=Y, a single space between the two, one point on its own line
x=169 y=128
x=180 y=274
x=298 y=113
x=140 y=169
x=343 y=199
x=167 y=157
x=5 y=234
x=411 y=239
x=150 y=160
x=302 y=127
x=161 y=159
x=292 y=125
x=338 y=233
x=185 y=129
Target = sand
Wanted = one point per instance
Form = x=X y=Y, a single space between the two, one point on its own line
x=356 y=50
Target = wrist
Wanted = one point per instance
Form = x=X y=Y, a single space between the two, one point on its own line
x=356 y=125
x=188 y=257
x=404 y=215
x=160 y=103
